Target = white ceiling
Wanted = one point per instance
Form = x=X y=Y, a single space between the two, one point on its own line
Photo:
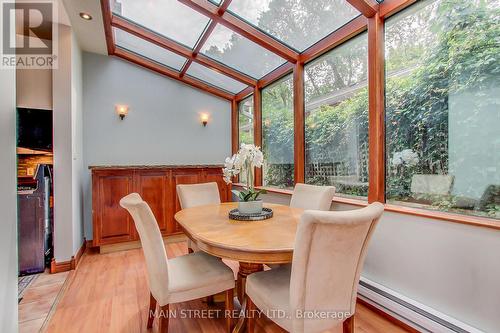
x=90 y=34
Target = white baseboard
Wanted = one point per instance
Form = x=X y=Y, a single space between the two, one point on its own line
x=410 y=312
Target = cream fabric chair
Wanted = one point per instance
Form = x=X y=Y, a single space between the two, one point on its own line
x=181 y=279
x=312 y=197
x=193 y=195
x=330 y=249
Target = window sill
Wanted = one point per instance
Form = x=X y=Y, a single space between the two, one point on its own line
x=444 y=216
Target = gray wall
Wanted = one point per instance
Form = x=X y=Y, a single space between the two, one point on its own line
x=77 y=142
x=8 y=203
x=162 y=126
x=68 y=156
x=61 y=90
x=450 y=267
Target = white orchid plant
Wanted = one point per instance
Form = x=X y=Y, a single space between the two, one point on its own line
x=244 y=162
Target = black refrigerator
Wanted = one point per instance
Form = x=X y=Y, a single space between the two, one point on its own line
x=35 y=218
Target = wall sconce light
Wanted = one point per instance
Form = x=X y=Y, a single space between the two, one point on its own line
x=122 y=110
x=204 y=119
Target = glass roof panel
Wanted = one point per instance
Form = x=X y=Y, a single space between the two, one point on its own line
x=148 y=50
x=169 y=18
x=214 y=78
x=240 y=53
x=297 y=23
x=217 y=2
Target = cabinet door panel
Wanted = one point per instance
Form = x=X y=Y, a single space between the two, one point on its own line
x=154 y=190
x=115 y=223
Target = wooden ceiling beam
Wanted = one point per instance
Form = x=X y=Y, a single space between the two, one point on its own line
x=179 y=49
x=136 y=59
x=367 y=7
x=389 y=7
x=198 y=46
x=204 y=37
x=243 y=28
x=108 y=32
x=222 y=8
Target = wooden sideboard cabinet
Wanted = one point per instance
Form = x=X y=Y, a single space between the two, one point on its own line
x=156 y=184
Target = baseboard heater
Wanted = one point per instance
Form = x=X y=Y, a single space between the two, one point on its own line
x=410 y=312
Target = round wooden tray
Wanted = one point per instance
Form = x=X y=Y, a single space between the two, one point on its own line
x=266 y=213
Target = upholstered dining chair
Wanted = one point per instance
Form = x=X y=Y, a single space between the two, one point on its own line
x=330 y=249
x=312 y=197
x=192 y=195
x=180 y=279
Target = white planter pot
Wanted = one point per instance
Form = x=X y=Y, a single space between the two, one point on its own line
x=250 y=207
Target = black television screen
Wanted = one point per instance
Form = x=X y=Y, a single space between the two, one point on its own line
x=34 y=129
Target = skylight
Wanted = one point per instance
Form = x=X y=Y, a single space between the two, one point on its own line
x=214 y=78
x=148 y=50
x=299 y=23
x=240 y=53
x=169 y=18
x=228 y=44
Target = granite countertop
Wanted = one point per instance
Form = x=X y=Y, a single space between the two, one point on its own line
x=167 y=166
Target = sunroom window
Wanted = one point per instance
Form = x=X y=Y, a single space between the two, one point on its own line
x=442 y=107
x=277 y=134
x=336 y=125
x=245 y=125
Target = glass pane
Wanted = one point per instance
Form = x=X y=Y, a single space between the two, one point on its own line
x=245 y=110
x=277 y=134
x=298 y=23
x=166 y=17
x=245 y=125
x=443 y=107
x=336 y=123
x=214 y=78
x=148 y=50
x=240 y=53
x=217 y=2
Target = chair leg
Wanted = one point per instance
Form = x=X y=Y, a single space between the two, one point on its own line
x=250 y=314
x=164 y=314
x=152 y=310
x=229 y=309
x=348 y=325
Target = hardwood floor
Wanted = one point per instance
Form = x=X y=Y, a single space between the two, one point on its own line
x=109 y=293
x=38 y=300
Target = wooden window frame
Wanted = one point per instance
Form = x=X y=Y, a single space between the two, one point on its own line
x=372 y=19
x=374 y=24
x=477 y=221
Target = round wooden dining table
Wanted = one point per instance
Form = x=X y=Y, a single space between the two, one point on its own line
x=251 y=243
